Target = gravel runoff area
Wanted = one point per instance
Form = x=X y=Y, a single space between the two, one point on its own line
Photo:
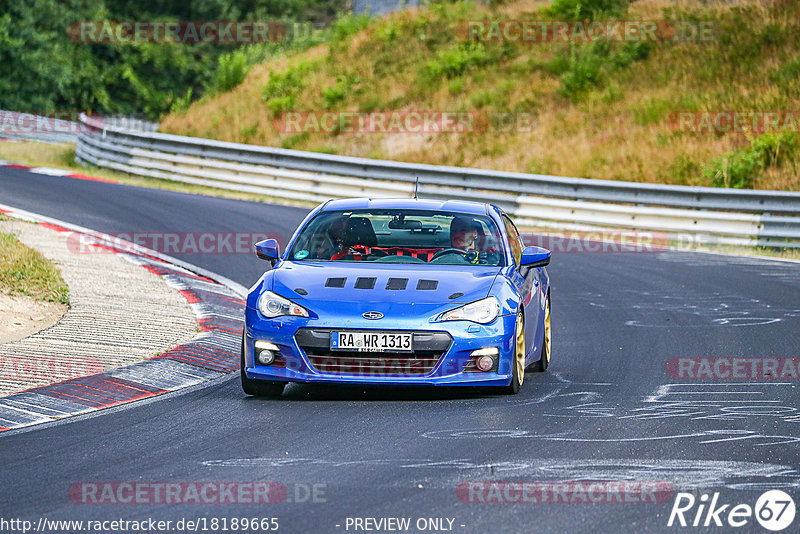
x=21 y=316
x=119 y=313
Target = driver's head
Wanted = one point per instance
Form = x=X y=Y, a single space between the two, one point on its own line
x=464 y=233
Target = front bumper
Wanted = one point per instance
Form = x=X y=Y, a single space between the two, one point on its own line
x=442 y=349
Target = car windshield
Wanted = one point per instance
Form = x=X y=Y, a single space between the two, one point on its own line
x=400 y=236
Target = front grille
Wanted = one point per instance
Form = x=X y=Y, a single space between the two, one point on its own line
x=365 y=363
x=428 y=350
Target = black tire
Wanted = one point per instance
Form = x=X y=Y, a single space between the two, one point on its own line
x=547 y=342
x=517 y=368
x=259 y=388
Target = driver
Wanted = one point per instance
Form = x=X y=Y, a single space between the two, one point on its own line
x=464 y=233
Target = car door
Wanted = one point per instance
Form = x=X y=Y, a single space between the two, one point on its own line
x=526 y=285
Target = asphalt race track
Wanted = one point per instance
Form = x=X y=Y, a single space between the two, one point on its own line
x=607 y=410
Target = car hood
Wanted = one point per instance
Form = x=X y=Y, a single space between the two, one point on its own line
x=393 y=283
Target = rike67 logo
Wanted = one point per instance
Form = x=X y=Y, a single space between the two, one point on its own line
x=774 y=510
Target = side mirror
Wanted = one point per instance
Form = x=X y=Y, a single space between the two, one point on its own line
x=535 y=257
x=268 y=250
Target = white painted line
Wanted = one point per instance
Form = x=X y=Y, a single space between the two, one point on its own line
x=50 y=171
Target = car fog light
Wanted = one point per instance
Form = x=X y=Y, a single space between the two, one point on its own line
x=266 y=352
x=266 y=357
x=484 y=363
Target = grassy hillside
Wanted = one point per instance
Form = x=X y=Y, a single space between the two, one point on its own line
x=602 y=110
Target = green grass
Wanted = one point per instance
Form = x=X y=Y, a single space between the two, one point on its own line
x=24 y=271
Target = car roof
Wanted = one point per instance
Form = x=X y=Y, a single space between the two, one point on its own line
x=457 y=206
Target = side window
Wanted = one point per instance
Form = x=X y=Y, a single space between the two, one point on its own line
x=513 y=239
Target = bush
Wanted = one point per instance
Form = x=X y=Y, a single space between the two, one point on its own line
x=279 y=104
x=340 y=91
x=740 y=168
x=182 y=103
x=583 y=72
x=586 y=68
x=389 y=31
x=347 y=25
x=455 y=60
x=282 y=87
x=231 y=70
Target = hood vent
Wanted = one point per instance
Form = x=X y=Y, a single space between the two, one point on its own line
x=393 y=284
x=397 y=283
x=365 y=283
x=427 y=285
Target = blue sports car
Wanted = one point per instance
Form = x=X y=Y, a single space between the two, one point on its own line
x=398 y=292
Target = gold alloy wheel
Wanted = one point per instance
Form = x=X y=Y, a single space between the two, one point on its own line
x=547 y=335
x=519 y=353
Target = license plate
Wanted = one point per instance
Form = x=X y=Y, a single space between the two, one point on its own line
x=371 y=341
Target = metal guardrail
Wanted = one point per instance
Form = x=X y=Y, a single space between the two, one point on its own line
x=129 y=123
x=702 y=214
x=53 y=128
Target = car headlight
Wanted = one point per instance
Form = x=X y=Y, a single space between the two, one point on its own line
x=273 y=305
x=481 y=311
